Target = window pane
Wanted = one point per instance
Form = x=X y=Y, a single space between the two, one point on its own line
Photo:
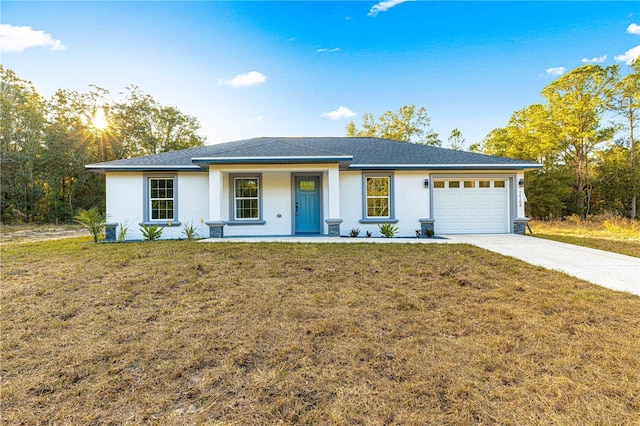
x=246 y=187
x=438 y=184
x=308 y=185
x=378 y=186
x=485 y=184
x=378 y=207
x=247 y=209
x=454 y=184
x=498 y=184
x=162 y=209
x=161 y=198
x=469 y=184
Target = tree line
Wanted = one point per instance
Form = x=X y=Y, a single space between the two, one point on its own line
x=583 y=134
x=45 y=144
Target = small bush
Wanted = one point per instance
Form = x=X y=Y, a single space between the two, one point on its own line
x=368 y=234
x=151 y=232
x=190 y=231
x=122 y=232
x=93 y=220
x=388 y=230
x=354 y=232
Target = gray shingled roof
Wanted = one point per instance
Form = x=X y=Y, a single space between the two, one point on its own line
x=365 y=153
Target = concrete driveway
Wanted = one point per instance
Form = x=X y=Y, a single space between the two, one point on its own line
x=611 y=270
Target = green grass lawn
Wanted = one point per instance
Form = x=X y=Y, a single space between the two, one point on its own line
x=179 y=332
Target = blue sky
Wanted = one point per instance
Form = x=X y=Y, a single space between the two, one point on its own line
x=247 y=69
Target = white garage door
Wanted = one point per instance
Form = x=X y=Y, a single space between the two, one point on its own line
x=468 y=206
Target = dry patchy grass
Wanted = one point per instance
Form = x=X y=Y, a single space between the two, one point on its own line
x=610 y=233
x=185 y=333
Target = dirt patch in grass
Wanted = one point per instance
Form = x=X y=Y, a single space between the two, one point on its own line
x=186 y=333
x=31 y=233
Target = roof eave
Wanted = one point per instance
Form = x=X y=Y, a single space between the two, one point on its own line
x=273 y=159
x=103 y=168
x=444 y=166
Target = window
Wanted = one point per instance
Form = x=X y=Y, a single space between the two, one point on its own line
x=378 y=196
x=438 y=184
x=246 y=198
x=454 y=184
x=498 y=184
x=161 y=198
x=469 y=184
x=484 y=184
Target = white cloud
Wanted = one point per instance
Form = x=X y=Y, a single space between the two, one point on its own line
x=629 y=56
x=633 y=29
x=326 y=50
x=596 y=60
x=383 y=6
x=243 y=80
x=555 y=71
x=341 y=112
x=15 y=38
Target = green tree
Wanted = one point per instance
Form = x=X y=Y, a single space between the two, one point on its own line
x=22 y=121
x=626 y=103
x=614 y=179
x=408 y=124
x=145 y=127
x=529 y=135
x=577 y=102
x=456 y=140
x=70 y=142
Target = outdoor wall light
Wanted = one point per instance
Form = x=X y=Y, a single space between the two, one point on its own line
x=521 y=183
x=426 y=183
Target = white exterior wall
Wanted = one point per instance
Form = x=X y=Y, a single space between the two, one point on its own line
x=411 y=202
x=276 y=197
x=206 y=197
x=125 y=202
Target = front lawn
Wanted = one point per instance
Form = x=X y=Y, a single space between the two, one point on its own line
x=189 y=333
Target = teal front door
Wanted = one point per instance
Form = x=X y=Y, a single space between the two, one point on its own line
x=307 y=205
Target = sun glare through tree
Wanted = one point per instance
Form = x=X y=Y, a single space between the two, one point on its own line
x=99 y=120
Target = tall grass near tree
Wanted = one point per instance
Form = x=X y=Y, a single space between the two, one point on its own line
x=604 y=232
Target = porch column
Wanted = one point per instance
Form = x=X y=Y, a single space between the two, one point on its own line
x=215 y=222
x=333 y=219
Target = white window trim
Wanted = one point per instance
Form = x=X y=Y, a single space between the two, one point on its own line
x=378 y=219
x=232 y=200
x=147 y=209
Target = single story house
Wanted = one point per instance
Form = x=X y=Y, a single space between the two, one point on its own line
x=315 y=185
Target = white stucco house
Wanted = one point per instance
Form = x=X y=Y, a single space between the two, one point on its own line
x=315 y=185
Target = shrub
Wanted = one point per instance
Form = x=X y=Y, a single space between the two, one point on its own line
x=122 y=232
x=93 y=220
x=190 y=231
x=354 y=232
x=388 y=229
x=151 y=232
x=368 y=234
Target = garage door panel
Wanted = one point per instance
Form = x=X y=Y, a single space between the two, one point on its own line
x=471 y=209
